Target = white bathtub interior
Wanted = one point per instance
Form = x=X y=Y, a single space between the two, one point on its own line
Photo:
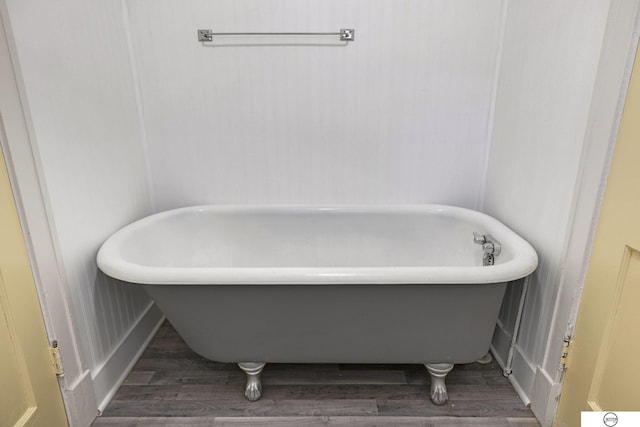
x=296 y=245
x=307 y=237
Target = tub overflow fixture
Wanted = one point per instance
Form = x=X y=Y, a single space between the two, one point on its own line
x=490 y=246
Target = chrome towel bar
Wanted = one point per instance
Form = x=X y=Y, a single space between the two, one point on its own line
x=347 y=35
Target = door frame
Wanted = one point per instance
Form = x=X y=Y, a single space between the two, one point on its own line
x=22 y=160
x=609 y=277
x=27 y=357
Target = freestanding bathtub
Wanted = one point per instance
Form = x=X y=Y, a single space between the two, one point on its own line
x=299 y=284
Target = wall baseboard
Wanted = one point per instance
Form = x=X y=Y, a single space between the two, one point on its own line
x=521 y=393
x=534 y=386
x=80 y=401
x=110 y=374
x=523 y=374
x=544 y=403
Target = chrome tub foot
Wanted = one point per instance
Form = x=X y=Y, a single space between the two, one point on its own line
x=438 y=373
x=253 y=390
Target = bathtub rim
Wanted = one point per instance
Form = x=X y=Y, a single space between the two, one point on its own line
x=523 y=263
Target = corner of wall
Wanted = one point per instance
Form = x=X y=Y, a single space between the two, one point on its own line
x=492 y=106
x=139 y=104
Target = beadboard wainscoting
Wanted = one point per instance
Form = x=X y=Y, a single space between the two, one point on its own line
x=82 y=114
x=399 y=115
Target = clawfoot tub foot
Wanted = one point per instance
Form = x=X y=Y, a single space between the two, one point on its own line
x=438 y=372
x=253 y=390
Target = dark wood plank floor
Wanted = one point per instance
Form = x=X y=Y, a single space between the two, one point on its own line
x=172 y=386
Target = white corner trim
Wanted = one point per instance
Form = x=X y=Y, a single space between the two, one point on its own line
x=80 y=401
x=545 y=396
x=109 y=375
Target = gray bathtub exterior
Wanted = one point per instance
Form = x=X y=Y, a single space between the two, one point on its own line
x=334 y=324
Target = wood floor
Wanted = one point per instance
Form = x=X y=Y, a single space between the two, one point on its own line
x=172 y=386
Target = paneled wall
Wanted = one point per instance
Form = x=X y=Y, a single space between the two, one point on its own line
x=80 y=93
x=399 y=115
x=547 y=77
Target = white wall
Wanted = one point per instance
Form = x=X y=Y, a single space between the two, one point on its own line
x=399 y=115
x=78 y=85
x=547 y=102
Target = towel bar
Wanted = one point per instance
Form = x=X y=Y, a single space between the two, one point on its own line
x=347 y=35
